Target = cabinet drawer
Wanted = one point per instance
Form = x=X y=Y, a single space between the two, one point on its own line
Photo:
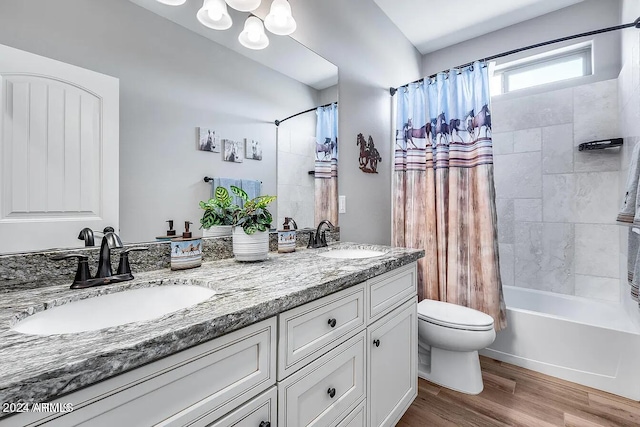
x=389 y=290
x=203 y=382
x=309 y=331
x=255 y=413
x=324 y=392
x=357 y=417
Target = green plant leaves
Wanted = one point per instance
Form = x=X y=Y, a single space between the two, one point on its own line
x=250 y=228
x=209 y=219
x=254 y=216
x=218 y=210
x=222 y=197
x=263 y=201
x=240 y=193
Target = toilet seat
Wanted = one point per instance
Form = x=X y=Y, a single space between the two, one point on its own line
x=453 y=316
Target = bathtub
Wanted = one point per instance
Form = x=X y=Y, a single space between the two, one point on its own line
x=577 y=339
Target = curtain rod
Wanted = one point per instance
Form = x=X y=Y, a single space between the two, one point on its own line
x=277 y=122
x=635 y=24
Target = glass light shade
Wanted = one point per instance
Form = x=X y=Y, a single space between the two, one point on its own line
x=244 y=5
x=253 y=36
x=172 y=2
x=279 y=20
x=214 y=14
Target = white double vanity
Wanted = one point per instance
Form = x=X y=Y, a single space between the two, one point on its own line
x=345 y=358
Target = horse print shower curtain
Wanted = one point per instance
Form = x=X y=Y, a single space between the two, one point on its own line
x=326 y=165
x=444 y=197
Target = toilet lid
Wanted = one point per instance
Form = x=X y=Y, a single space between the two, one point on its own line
x=454 y=316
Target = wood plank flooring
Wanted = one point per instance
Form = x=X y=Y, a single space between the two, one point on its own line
x=515 y=396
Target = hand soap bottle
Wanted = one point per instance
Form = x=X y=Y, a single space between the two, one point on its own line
x=287 y=236
x=171 y=233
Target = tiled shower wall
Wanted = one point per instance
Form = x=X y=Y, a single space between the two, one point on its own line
x=557 y=206
x=296 y=188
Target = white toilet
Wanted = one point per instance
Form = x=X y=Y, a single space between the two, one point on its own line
x=450 y=336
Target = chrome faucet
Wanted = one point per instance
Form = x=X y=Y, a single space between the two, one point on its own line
x=319 y=239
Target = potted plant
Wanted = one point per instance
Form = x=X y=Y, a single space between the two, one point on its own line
x=251 y=225
x=217 y=218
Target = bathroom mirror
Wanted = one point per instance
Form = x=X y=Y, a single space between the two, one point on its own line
x=176 y=76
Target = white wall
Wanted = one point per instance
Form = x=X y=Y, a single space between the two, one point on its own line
x=371 y=54
x=171 y=81
x=629 y=113
x=328 y=95
x=582 y=17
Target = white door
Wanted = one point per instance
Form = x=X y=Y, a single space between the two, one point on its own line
x=58 y=152
x=393 y=375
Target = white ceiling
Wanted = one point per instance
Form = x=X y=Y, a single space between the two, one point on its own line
x=283 y=54
x=431 y=25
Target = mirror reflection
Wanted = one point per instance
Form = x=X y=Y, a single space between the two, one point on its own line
x=313 y=198
x=177 y=92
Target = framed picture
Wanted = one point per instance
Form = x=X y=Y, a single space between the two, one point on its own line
x=208 y=140
x=233 y=151
x=253 y=149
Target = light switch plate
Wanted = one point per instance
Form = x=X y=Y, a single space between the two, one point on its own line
x=342 y=204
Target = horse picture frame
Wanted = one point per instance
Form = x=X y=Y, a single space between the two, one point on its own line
x=369 y=155
x=208 y=140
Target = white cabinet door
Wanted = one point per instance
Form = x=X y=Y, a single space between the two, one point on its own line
x=59 y=133
x=392 y=368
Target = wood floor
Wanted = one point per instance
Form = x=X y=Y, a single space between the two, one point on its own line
x=516 y=396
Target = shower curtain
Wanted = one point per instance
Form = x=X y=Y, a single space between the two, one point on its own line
x=326 y=165
x=444 y=197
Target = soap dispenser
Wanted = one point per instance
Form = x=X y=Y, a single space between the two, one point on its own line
x=287 y=236
x=171 y=233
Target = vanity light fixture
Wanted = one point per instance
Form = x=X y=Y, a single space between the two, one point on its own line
x=214 y=14
x=279 y=20
x=173 y=2
x=244 y=5
x=253 y=35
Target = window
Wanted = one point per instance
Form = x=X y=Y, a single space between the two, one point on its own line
x=553 y=67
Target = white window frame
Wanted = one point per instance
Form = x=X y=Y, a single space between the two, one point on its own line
x=582 y=50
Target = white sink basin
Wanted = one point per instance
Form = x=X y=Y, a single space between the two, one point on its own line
x=114 y=309
x=351 y=253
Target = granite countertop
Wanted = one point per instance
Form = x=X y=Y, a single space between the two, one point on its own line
x=39 y=368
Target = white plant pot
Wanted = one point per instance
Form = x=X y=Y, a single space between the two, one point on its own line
x=250 y=247
x=217 y=231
